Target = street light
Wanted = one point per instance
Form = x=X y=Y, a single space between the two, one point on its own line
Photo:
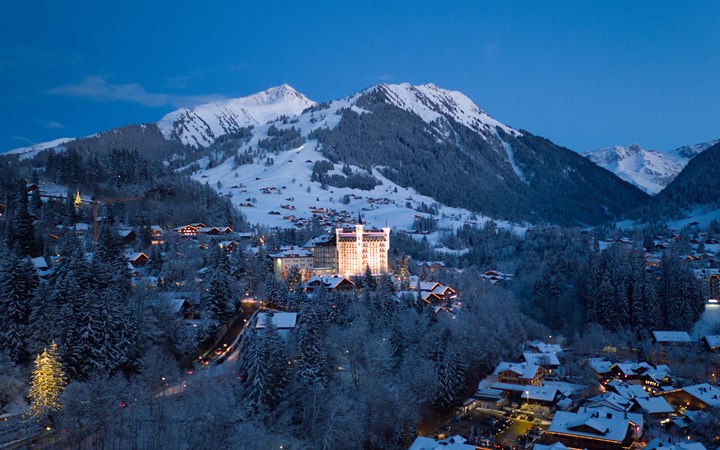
x=527 y=403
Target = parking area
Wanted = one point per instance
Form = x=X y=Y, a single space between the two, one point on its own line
x=494 y=429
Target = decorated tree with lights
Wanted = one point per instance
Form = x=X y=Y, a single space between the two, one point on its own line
x=47 y=382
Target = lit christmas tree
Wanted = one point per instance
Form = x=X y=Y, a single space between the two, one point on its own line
x=47 y=381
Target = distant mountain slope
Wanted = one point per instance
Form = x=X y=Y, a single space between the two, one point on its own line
x=29 y=152
x=650 y=170
x=441 y=144
x=201 y=125
x=389 y=151
x=698 y=184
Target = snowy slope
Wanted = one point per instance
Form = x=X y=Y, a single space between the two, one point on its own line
x=288 y=179
x=201 y=125
x=650 y=170
x=29 y=152
x=431 y=103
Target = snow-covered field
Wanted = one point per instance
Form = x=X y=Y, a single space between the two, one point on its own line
x=288 y=181
x=29 y=152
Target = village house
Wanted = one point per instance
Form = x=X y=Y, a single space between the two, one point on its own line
x=291 y=257
x=329 y=282
x=137 y=259
x=711 y=342
x=685 y=444
x=156 y=235
x=188 y=230
x=699 y=396
x=523 y=374
x=596 y=429
x=671 y=338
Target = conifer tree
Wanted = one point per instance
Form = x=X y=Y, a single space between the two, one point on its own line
x=47 y=382
x=18 y=281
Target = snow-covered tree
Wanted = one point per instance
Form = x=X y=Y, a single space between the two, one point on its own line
x=18 y=281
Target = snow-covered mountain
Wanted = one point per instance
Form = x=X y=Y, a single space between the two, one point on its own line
x=650 y=170
x=389 y=152
x=201 y=125
x=389 y=148
x=29 y=152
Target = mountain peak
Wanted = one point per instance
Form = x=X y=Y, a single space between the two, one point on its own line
x=201 y=125
x=430 y=102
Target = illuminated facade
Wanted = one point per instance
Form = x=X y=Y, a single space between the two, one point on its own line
x=358 y=249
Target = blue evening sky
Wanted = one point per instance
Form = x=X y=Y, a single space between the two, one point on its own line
x=583 y=74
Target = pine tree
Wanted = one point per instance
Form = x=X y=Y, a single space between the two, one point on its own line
x=47 y=382
x=312 y=359
x=255 y=369
x=18 y=281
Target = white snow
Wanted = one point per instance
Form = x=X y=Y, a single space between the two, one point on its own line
x=431 y=103
x=650 y=170
x=29 y=152
x=201 y=125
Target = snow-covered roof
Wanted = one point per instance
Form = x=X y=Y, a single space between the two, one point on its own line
x=329 y=281
x=292 y=252
x=555 y=446
x=608 y=400
x=542 y=347
x=451 y=443
x=705 y=392
x=590 y=424
x=282 y=320
x=654 y=405
x=135 y=256
x=523 y=370
x=600 y=365
x=39 y=263
x=529 y=392
x=628 y=391
x=542 y=359
x=713 y=341
x=671 y=336
x=659 y=444
x=427 y=285
x=125 y=232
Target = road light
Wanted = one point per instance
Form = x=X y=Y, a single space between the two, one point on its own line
x=528 y=398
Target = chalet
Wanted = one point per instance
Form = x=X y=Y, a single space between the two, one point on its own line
x=523 y=374
x=548 y=361
x=228 y=246
x=188 y=230
x=541 y=347
x=594 y=429
x=285 y=322
x=656 y=408
x=626 y=390
x=137 y=259
x=496 y=277
x=629 y=371
x=699 y=396
x=176 y=303
x=208 y=231
x=329 y=282
x=659 y=444
x=711 y=342
x=156 y=235
x=127 y=235
x=671 y=338
x=431 y=266
x=555 y=446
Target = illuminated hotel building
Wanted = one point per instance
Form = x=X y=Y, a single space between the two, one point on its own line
x=358 y=249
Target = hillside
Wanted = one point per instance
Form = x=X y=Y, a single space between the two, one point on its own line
x=650 y=170
x=389 y=152
x=697 y=185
